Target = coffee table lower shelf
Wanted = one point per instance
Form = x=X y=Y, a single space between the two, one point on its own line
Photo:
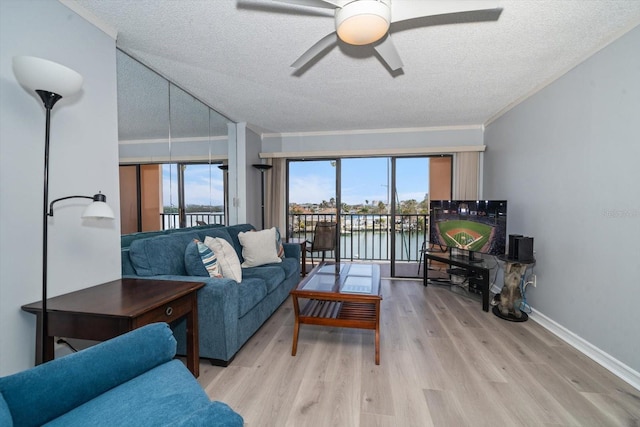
x=343 y=314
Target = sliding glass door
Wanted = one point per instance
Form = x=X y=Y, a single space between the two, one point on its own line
x=364 y=191
x=409 y=213
x=380 y=203
x=312 y=196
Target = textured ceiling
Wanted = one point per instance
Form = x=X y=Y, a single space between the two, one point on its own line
x=236 y=55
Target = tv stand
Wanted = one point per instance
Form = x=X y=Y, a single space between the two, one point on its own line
x=475 y=271
x=470 y=258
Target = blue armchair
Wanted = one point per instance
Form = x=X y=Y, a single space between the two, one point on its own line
x=130 y=380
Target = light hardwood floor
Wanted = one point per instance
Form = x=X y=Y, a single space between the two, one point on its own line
x=443 y=362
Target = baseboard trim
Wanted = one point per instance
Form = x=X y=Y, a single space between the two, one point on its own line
x=619 y=369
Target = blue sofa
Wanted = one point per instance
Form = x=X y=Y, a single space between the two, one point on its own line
x=229 y=313
x=130 y=380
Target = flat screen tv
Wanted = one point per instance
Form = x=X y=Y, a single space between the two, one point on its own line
x=476 y=226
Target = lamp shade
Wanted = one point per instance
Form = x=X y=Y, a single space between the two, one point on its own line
x=99 y=208
x=363 y=22
x=41 y=74
x=262 y=167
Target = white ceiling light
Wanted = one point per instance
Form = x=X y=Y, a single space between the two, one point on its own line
x=363 y=22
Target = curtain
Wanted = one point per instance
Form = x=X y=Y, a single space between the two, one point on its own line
x=274 y=204
x=466 y=170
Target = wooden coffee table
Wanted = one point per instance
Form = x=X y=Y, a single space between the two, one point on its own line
x=105 y=311
x=348 y=298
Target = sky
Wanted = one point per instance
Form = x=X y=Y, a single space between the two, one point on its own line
x=198 y=191
x=312 y=181
x=362 y=180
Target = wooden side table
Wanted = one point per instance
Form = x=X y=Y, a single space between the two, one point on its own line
x=105 y=311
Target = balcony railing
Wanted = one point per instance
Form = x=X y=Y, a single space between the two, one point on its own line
x=368 y=236
x=171 y=220
x=362 y=236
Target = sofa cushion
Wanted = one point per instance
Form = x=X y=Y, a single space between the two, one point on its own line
x=217 y=414
x=160 y=396
x=127 y=239
x=251 y=291
x=272 y=275
x=233 y=232
x=161 y=254
x=227 y=258
x=192 y=260
x=259 y=247
x=127 y=265
x=208 y=259
x=290 y=266
x=279 y=244
x=216 y=232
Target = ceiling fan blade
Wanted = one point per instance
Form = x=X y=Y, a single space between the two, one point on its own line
x=402 y=10
x=327 y=4
x=387 y=51
x=315 y=50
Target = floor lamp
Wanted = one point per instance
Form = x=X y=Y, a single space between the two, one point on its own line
x=262 y=168
x=225 y=191
x=52 y=82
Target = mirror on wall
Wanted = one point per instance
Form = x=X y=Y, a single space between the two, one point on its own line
x=143 y=112
x=189 y=120
x=163 y=132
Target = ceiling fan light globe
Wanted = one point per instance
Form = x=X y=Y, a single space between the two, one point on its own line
x=363 y=22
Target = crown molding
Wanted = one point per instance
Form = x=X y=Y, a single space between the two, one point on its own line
x=172 y=140
x=422 y=151
x=373 y=131
x=166 y=159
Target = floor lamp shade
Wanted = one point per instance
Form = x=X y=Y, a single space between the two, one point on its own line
x=262 y=168
x=99 y=208
x=41 y=74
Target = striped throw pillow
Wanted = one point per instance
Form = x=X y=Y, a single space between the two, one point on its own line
x=209 y=259
x=279 y=246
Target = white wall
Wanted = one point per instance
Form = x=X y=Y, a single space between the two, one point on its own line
x=567 y=159
x=244 y=181
x=83 y=161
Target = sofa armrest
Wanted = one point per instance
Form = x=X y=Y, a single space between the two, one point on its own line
x=292 y=250
x=218 y=311
x=45 y=392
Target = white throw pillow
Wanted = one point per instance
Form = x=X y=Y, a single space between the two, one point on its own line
x=227 y=257
x=259 y=247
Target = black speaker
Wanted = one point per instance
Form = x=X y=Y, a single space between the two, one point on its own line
x=513 y=246
x=525 y=249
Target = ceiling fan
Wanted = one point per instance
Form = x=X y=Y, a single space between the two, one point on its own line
x=367 y=22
